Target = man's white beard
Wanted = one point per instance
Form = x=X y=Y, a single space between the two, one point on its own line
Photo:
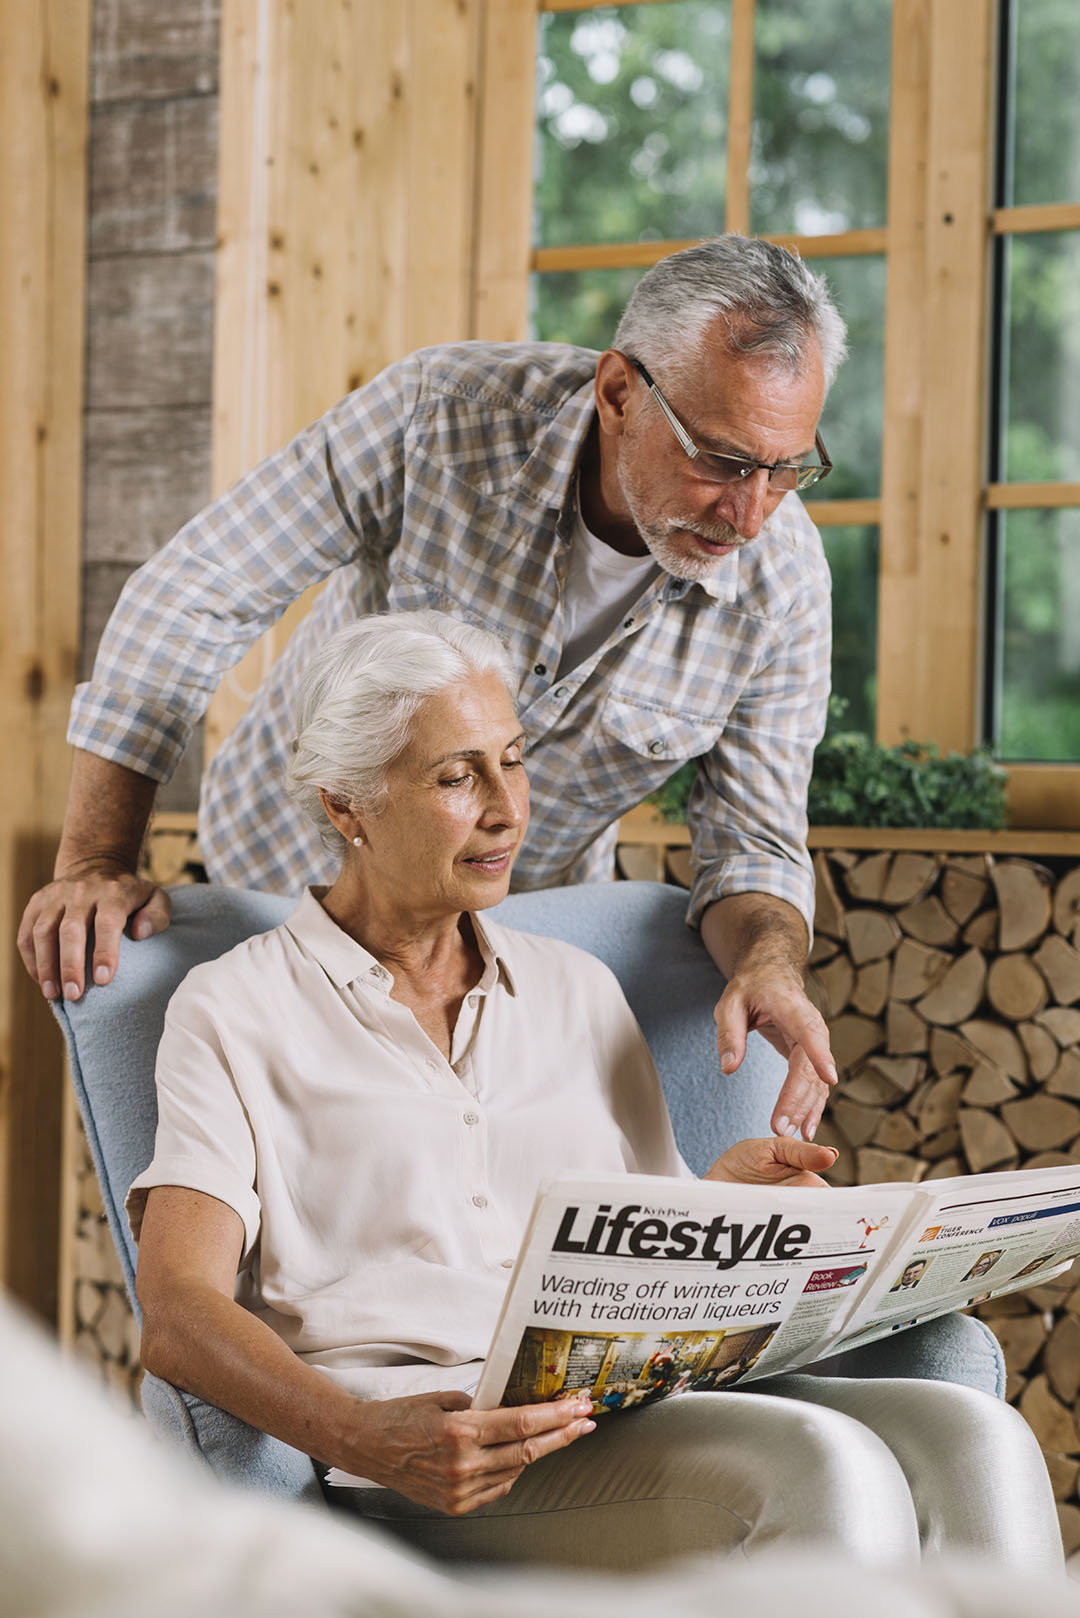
x=659 y=535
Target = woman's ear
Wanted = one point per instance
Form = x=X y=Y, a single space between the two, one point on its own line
x=341 y=815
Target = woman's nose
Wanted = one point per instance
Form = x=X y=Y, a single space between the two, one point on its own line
x=506 y=800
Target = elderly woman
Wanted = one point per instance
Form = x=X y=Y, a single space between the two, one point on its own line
x=354 y=1112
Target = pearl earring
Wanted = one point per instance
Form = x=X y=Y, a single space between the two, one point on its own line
x=358 y=842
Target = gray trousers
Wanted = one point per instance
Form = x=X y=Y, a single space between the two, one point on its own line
x=880 y=1471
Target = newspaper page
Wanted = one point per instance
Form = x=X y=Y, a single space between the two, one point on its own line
x=632 y=1288
x=978 y=1236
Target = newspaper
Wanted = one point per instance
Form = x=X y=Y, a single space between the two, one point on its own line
x=630 y=1287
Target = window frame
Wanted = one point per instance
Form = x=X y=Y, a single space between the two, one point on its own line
x=938 y=242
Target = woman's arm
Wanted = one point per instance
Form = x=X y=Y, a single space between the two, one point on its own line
x=429 y=1447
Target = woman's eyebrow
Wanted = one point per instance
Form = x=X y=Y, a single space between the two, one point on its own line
x=475 y=752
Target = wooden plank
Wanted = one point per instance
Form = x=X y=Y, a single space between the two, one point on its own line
x=376 y=106
x=939 y=840
x=150 y=330
x=841 y=513
x=149 y=472
x=43 y=131
x=740 y=117
x=592 y=5
x=144 y=48
x=153 y=171
x=1036 y=216
x=505 y=139
x=640 y=255
x=930 y=587
x=1031 y=496
x=1045 y=795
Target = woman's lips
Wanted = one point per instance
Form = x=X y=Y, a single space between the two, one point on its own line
x=496 y=860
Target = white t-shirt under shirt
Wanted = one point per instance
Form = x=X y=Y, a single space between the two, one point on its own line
x=601 y=587
x=384 y=1190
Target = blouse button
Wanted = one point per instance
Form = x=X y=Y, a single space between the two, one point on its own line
x=508 y=1264
x=479 y=1202
x=471 y=1118
x=474 y=1001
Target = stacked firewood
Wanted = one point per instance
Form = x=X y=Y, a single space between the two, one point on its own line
x=951 y=987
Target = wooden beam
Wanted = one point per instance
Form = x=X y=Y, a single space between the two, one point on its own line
x=44 y=60
x=641 y=255
x=1044 y=795
x=1031 y=496
x=936 y=311
x=842 y=513
x=740 y=117
x=505 y=135
x=1036 y=216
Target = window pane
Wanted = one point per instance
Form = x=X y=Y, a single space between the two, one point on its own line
x=851 y=424
x=1041 y=358
x=853 y=562
x=1038 y=675
x=632 y=122
x=580 y=306
x=821 y=115
x=1044 y=133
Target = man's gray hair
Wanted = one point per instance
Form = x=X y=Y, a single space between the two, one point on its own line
x=360 y=693
x=768 y=300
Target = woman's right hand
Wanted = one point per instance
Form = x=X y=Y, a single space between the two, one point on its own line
x=432 y=1448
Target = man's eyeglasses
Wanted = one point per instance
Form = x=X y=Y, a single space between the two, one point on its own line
x=783 y=475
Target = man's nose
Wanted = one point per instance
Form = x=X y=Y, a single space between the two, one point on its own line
x=746 y=504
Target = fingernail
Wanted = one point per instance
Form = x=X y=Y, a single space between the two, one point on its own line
x=834 y=1077
x=792 y=1129
x=783 y=1126
x=811 y=1132
x=588 y=1427
x=101 y=974
x=71 y=991
x=48 y=989
x=141 y=929
x=727 y=1061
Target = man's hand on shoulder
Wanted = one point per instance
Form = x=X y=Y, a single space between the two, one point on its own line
x=98 y=900
x=95 y=891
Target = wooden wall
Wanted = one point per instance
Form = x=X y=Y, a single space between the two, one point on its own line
x=150 y=297
x=373 y=197
x=43 y=91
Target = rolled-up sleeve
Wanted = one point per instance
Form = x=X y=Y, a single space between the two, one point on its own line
x=330 y=497
x=747 y=810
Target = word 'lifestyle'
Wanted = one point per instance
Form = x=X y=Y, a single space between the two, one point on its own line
x=630 y=1233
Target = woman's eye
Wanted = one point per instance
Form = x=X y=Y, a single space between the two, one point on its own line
x=456 y=780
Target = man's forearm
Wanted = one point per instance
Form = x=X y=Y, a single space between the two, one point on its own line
x=750 y=930
x=107 y=812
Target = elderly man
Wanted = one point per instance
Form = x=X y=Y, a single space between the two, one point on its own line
x=628 y=523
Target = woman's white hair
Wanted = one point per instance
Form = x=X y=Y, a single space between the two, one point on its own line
x=771 y=304
x=358 y=697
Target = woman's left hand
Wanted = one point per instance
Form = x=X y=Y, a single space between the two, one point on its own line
x=780 y=1160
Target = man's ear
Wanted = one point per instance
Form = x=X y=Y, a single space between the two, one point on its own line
x=615 y=391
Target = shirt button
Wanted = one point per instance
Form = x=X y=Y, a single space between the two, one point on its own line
x=541 y=668
x=479 y=1202
x=628 y=623
x=432 y=1067
x=474 y=1001
x=560 y=691
x=471 y=1118
x=508 y=1264
x=656 y=747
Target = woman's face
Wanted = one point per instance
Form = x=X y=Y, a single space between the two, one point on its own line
x=445 y=837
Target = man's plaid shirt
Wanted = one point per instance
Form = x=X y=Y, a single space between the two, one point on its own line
x=448 y=482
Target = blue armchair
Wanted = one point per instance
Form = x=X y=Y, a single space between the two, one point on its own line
x=636 y=927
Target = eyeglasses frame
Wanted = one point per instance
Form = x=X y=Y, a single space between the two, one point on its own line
x=808 y=475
